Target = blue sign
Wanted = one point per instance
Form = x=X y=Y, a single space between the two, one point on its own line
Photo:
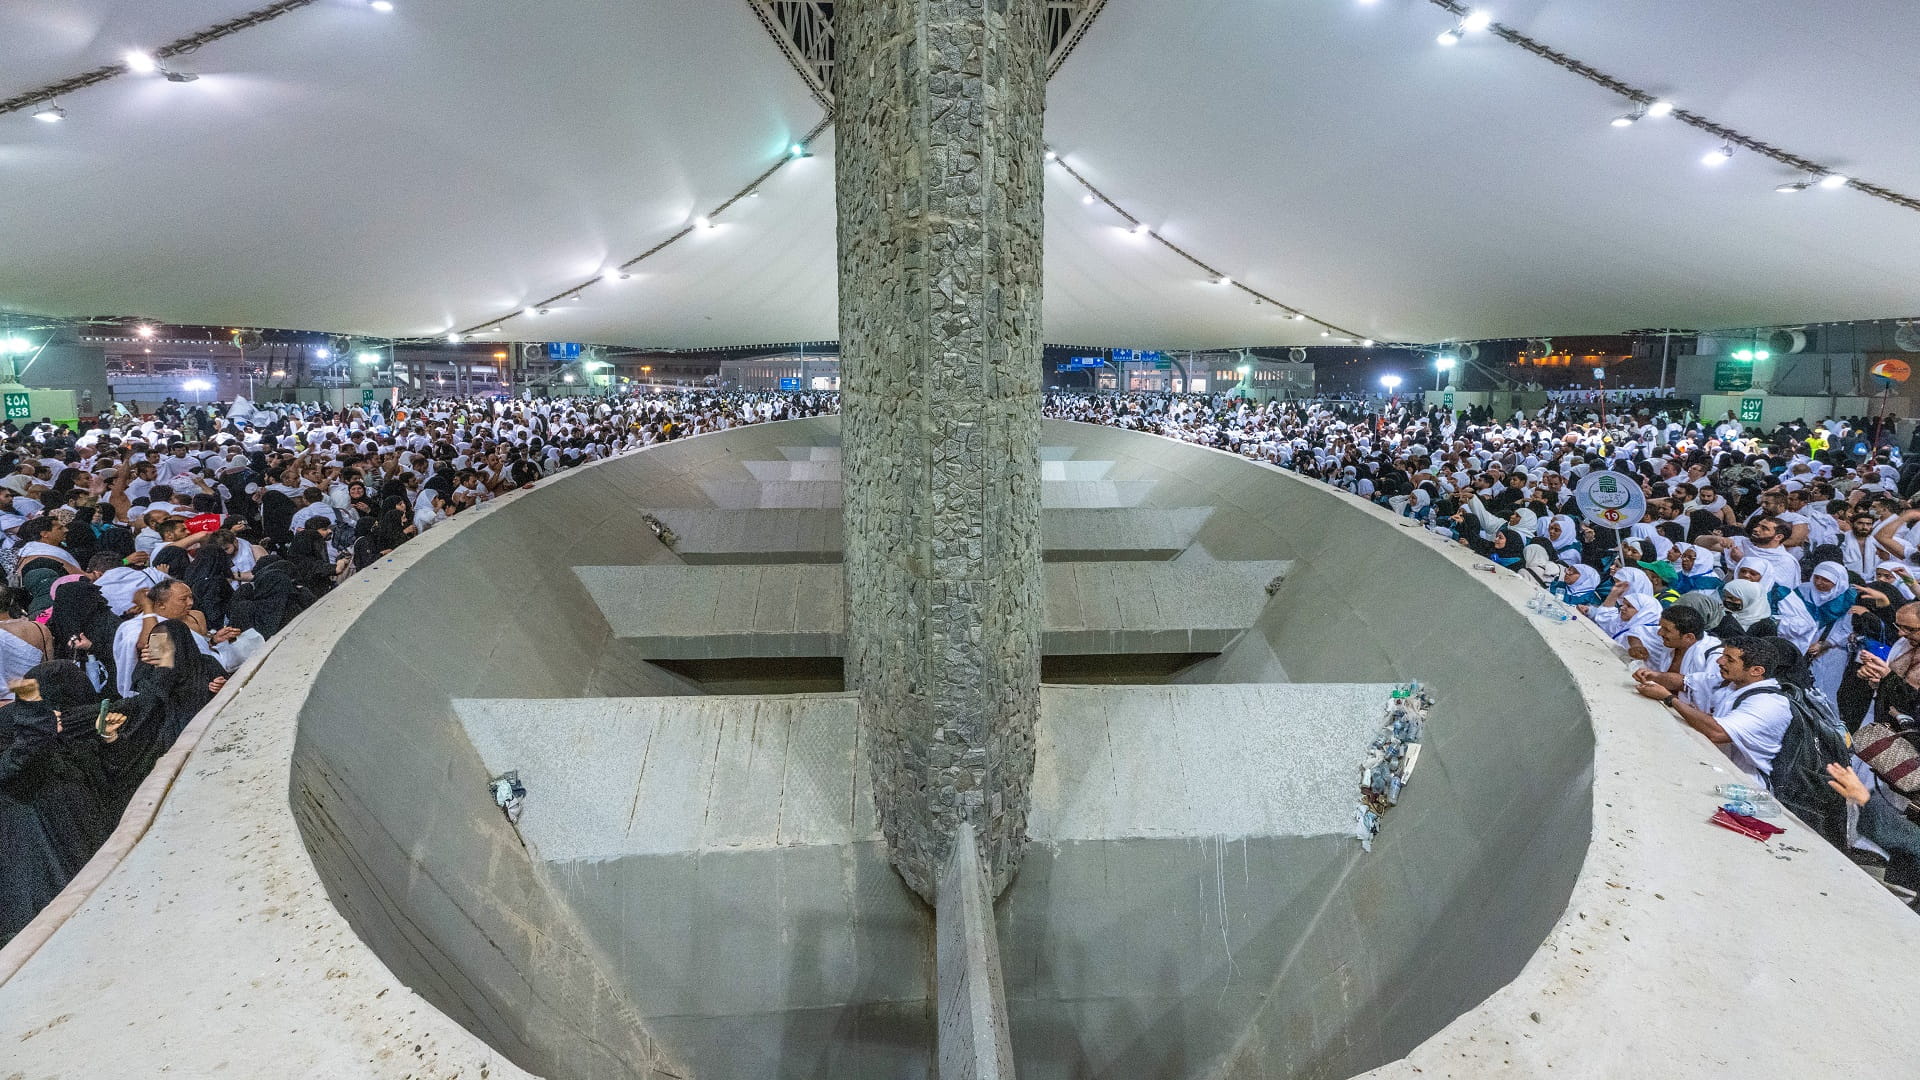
x=563 y=350
x=1079 y=362
x=1124 y=354
x=789 y=384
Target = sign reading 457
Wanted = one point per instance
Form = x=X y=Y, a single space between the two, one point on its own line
x=19 y=407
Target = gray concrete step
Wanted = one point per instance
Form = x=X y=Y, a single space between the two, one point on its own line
x=796 y=534
x=1093 y=608
x=610 y=778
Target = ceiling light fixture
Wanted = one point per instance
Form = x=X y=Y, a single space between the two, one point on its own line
x=382 y=6
x=180 y=76
x=1629 y=119
x=1719 y=155
x=529 y=312
x=141 y=63
x=1087 y=199
x=799 y=150
x=1366 y=343
x=1225 y=282
x=1660 y=108
x=1477 y=21
x=453 y=339
x=703 y=223
x=1140 y=228
x=1794 y=188
x=1451 y=36
x=1051 y=156
x=50 y=113
x=1833 y=181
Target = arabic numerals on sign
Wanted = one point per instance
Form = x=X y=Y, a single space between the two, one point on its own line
x=19 y=407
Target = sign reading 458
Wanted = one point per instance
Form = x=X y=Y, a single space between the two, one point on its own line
x=19 y=407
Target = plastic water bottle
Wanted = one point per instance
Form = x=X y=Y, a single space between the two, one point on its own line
x=1749 y=800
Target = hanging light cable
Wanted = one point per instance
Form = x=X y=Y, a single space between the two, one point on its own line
x=1216 y=276
x=150 y=61
x=1657 y=106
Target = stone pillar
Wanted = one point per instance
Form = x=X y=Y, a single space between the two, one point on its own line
x=938 y=167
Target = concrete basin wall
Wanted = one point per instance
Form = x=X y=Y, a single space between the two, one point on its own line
x=1476 y=864
x=1546 y=896
x=392 y=799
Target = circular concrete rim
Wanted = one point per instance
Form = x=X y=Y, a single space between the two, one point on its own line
x=1672 y=924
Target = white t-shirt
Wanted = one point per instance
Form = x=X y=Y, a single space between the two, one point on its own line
x=1756 y=725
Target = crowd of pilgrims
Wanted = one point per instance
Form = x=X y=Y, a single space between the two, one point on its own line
x=1772 y=582
x=148 y=557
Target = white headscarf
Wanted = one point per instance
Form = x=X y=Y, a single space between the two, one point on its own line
x=1562 y=532
x=1761 y=567
x=1753 y=601
x=1636 y=579
x=1586 y=578
x=1832 y=571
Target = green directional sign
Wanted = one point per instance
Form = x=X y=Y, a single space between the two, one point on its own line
x=19 y=407
x=366 y=393
x=1732 y=375
x=1749 y=409
x=1446 y=399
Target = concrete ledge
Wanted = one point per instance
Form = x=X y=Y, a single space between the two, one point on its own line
x=758 y=537
x=614 y=778
x=1103 y=608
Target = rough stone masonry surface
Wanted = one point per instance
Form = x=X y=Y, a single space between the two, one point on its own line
x=938 y=175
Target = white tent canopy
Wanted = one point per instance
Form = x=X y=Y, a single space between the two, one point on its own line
x=415 y=172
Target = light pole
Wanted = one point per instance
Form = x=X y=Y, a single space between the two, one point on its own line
x=1600 y=374
x=1246 y=372
x=1441 y=366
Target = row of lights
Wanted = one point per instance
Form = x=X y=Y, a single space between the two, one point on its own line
x=613 y=275
x=141 y=62
x=1137 y=227
x=1480 y=20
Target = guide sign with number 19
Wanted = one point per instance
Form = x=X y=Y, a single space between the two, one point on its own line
x=1610 y=500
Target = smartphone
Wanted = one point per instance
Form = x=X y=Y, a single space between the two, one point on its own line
x=1879 y=649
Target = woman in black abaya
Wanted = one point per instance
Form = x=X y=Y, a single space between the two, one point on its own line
x=52 y=818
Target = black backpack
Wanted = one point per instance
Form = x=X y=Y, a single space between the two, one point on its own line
x=1814 y=739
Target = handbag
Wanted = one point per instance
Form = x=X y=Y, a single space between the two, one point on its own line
x=1890 y=753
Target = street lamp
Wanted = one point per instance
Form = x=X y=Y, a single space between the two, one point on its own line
x=1391 y=382
x=1441 y=366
